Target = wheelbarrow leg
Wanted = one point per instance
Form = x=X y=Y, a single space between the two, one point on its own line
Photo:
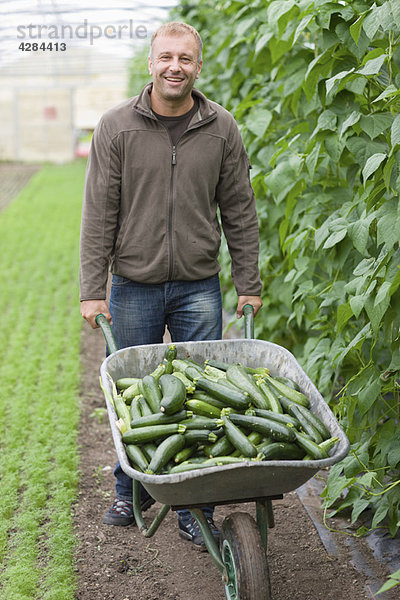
x=208 y=538
x=137 y=511
x=265 y=519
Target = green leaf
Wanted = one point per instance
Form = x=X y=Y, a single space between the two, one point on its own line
x=363 y=148
x=357 y=304
x=394 y=455
x=395 y=132
x=285 y=175
x=383 y=293
x=372 y=67
x=372 y=165
x=276 y=10
x=375 y=124
x=339 y=77
x=380 y=512
x=359 y=506
x=368 y=395
x=258 y=121
x=394 y=579
x=395 y=8
x=305 y=21
x=359 y=232
x=344 y=313
x=335 y=238
x=390 y=92
x=352 y=119
x=395 y=283
x=372 y=22
x=375 y=313
x=355 y=28
x=312 y=159
x=388 y=224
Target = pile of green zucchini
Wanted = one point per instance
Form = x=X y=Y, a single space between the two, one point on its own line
x=185 y=416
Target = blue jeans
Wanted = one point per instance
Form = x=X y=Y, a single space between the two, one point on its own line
x=192 y=311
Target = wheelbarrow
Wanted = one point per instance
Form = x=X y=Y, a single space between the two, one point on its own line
x=241 y=556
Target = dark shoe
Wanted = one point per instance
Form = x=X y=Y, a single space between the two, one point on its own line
x=189 y=530
x=121 y=511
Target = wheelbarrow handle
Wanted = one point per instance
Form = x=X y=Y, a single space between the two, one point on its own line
x=107 y=332
x=248 y=313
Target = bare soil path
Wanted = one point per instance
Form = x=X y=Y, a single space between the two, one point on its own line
x=119 y=563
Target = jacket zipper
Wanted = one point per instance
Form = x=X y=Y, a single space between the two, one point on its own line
x=171 y=206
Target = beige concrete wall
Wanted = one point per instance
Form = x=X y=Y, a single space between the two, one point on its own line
x=45 y=101
x=39 y=125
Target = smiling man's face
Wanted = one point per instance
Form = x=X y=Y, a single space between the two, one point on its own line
x=174 y=67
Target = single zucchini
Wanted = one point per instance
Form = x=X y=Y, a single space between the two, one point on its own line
x=160 y=419
x=173 y=394
x=281 y=451
x=288 y=392
x=182 y=366
x=305 y=424
x=150 y=433
x=151 y=392
x=224 y=460
x=237 y=375
x=135 y=410
x=144 y=407
x=165 y=451
x=200 y=422
x=200 y=395
x=149 y=449
x=268 y=427
x=125 y=382
x=221 y=447
x=158 y=371
x=315 y=421
x=254 y=437
x=239 y=439
x=184 y=454
x=133 y=390
x=270 y=396
x=310 y=447
x=326 y=446
x=283 y=418
x=235 y=398
x=169 y=356
x=199 y=436
x=199 y=407
x=289 y=382
x=137 y=457
x=122 y=410
x=214 y=373
x=187 y=466
x=189 y=385
x=170 y=353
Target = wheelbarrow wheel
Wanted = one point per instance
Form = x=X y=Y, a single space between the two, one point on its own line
x=243 y=555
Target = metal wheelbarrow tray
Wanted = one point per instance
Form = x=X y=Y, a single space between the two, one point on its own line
x=234 y=482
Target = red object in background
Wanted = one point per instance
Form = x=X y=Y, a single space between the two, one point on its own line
x=50 y=113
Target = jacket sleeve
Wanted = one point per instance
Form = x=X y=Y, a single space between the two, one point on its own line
x=236 y=200
x=100 y=211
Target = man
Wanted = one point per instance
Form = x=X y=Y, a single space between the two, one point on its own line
x=159 y=167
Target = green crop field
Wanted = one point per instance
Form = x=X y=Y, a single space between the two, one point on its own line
x=40 y=374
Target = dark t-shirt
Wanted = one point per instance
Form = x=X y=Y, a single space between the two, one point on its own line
x=177 y=125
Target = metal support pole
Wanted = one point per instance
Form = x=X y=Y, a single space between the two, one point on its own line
x=137 y=511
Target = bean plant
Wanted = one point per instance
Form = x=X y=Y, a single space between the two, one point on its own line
x=315 y=88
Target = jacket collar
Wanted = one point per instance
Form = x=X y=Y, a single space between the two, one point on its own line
x=142 y=104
